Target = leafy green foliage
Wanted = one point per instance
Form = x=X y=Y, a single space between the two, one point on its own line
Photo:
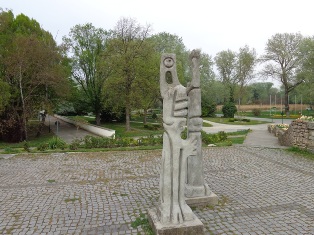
x=239 y=120
x=302 y=152
x=154 y=116
x=153 y=126
x=5 y=95
x=26 y=146
x=9 y=150
x=256 y=112
x=90 y=68
x=101 y=142
x=209 y=110
x=56 y=143
x=134 y=80
x=143 y=222
x=110 y=114
x=43 y=147
x=75 y=144
x=229 y=109
x=32 y=74
x=235 y=69
x=213 y=138
x=283 y=61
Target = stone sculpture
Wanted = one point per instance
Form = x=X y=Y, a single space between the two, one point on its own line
x=197 y=191
x=173 y=215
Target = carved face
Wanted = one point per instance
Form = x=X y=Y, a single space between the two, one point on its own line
x=168 y=62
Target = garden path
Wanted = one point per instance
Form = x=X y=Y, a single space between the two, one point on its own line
x=258 y=137
x=66 y=131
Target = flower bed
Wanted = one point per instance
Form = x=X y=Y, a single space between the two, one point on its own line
x=275 y=128
x=306 y=118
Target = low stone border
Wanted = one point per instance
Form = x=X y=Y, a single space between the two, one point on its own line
x=101 y=131
x=300 y=133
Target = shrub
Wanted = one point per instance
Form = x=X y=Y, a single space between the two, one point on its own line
x=75 y=144
x=9 y=150
x=26 y=146
x=213 y=138
x=43 y=147
x=56 y=142
x=256 y=112
x=222 y=136
x=98 y=142
x=231 y=120
x=154 y=116
x=209 y=110
x=150 y=140
x=229 y=109
x=152 y=127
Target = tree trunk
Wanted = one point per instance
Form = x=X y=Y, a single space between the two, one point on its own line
x=231 y=95
x=98 y=118
x=23 y=105
x=127 y=119
x=145 y=117
x=287 y=109
x=40 y=128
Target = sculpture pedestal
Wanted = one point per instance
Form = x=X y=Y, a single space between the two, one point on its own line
x=200 y=196
x=191 y=227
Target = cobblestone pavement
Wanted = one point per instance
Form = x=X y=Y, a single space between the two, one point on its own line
x=261 y=191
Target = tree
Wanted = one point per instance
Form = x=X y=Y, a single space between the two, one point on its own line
x=5 y=95
x=130 y=51
x=236 y=69
x=246 y=60
x=226 y=66
x=306 y=72
x=90 y=68
x=283 y=59
x=260 y=92
x=206 y=67
x=31 y=66
x=210 y=93
x=148 y=92
x=170 y=43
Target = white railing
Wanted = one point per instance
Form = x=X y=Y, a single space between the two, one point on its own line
x=97 y=130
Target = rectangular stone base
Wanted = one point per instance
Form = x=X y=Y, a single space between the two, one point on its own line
x=194 y=227
x=210 y=200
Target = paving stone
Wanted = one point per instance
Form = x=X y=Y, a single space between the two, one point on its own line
x=261 y=191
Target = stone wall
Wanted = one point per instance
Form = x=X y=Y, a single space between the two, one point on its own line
x=300 y=133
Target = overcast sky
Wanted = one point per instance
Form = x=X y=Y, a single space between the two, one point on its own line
x=212 y=26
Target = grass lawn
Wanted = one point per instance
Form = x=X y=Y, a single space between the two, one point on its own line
x=301 y=152
x=137 y=129
x=205 y=124
x=237 y=137
x=227 y=121
x=276 y=114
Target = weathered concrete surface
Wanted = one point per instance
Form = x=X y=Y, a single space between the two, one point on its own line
x=66 y=131
x=258 y=137
x=190 y=227
x=262 y=138
x=97 y=130
x=172 y=210
x=197 y=192
x=260 y=190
